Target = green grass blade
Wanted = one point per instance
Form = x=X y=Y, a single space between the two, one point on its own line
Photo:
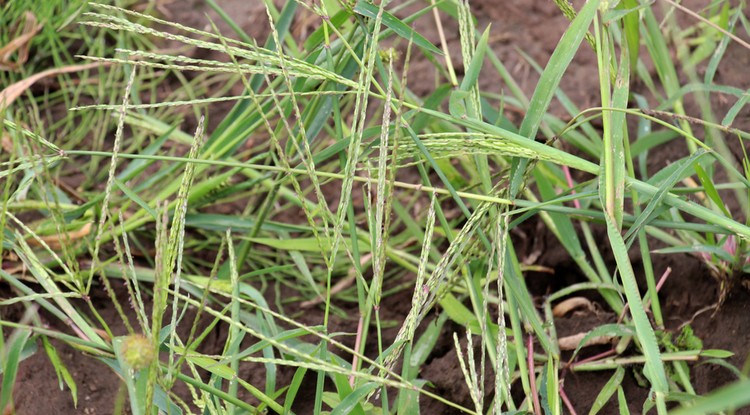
x=365 y=8
x=134 y=197
x=549 y=81
x=14 y=347
x=612 y=163
x=645 y=333
x=730 y=397
x=608 y=390
x=354 y=399
x=622 y=402
x=656 y=200
x=710 y=190
x=294 y=385
x=408 y=400
x=631 y=28
x=63 y=375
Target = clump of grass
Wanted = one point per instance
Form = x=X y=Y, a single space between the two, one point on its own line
x=338 y=114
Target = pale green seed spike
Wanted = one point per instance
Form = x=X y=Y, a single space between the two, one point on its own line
x=419 y=297
x=110 y=180
x=383 y=190
x=502 y=371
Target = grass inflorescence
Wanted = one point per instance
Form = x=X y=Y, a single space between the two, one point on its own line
x=310 y=248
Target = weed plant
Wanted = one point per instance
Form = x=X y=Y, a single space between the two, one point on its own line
x=330 y=184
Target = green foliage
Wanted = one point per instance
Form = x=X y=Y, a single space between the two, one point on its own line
x=332 y=185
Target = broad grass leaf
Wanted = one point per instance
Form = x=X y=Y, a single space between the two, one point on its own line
x=63 y=375
x=656 y=200
x=407 y=402
x=426 y=342
x=710 y=190
x=134 y=197
x=608 y=390
x=730 y=397
x=352 y=402
x=651 y=140
x=294 y=385
x=14 y=347
x=212 y=366
x=219 y=222
x=644 y=332
x=471 y=76
x=317 y=37
x=368 y=9
x=457 y=311
x=622 y=402
x=628 y=10
x=548 y=83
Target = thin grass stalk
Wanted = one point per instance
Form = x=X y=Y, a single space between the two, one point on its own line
x=444 y=44
x=536 y=407
x=467 y=370
x=110 y=292
x=517 y=329
x=131 y=282
x=384 y=191
x=235 y=335
x=306 y=155
x=175 y=248
x=610 y=186
x=71 y=316
x=310 y=169
x=419 y=297
x=486 y=334
x=358 y=126
x=192 y=342
x=160 y=295
x=110 y=181
x=656 y=45
x=502 y=370
x=310 y=361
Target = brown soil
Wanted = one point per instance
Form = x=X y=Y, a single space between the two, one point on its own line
x=533 y=26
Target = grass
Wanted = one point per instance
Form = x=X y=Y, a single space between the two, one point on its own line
x=345 y=188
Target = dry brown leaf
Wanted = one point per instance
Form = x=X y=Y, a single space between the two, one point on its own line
x=55 y=241
x=6 y=143
x=569 y=304
x=21 y=44
x=572 y=342
x=9 y=94
x=6 y=140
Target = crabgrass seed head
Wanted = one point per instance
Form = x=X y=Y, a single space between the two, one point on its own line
x=389 y=55
x=137 y=351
